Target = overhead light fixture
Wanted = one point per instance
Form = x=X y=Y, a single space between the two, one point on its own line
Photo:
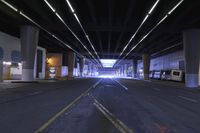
x=77 y=19
x=9 y=5
x=151 y=10
x=175 y=7
x=39 y=26
x=49 y=5
x=180 y=43
x=79 y=22
x=70 y=6
x=144 y=37
x=144 y=20
x=61 y=19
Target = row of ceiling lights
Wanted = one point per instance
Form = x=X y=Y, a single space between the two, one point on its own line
x=79 y=22
x=61 y=19
x=70 y=6
x=39 y=26
x=144 y=20
x=145 y=36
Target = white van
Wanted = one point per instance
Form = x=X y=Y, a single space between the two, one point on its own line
x=177 y=75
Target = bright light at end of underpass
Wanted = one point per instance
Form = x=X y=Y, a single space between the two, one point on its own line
x=108 y=62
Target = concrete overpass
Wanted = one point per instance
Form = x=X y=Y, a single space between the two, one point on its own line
x=99 y=66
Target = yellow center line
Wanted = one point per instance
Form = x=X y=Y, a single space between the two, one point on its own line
x=52 y=119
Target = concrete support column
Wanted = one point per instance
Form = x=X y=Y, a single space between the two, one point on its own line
x=125 y=70
x=92 y=70
x=89 y=69
x=191 y=41
x=134 y=71
x=1 y=70
x=82 y=63
x=146 y=65
x=70 y=63
x=29 y=39
x=122 y=69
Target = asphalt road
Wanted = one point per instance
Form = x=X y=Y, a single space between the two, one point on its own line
x=112 y=106
x=25 y=109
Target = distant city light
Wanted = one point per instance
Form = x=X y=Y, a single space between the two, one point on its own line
x=141 y=70
x=7 y=63
x=106 y=76
x=108 y=62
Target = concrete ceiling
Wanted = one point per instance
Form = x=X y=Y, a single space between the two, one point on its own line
x=108 y=23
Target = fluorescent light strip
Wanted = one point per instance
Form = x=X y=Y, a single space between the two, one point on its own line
x=70 y=6
x=144 y=20
x=175 y=7
x=143 y=38
x=151 y=10
x=39 y=26
x=180 y=43
x=76 y=17
x=51 y=7
x=9 y=5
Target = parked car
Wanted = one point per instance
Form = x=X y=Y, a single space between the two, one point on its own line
x=157 y=74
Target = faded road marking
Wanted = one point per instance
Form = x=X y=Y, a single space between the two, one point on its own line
x=51 y=120
x=35 y=93
x=188 y=99
x=156 y=89
x=113 y=119
x=121 y=84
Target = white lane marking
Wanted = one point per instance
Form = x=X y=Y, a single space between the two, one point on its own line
x=109 y=118
x=156 y=89
x=147 y=80
x=121 y=85
x=35 y=93
x=118 y=123
x=94 y=86
x=52 y=119
x=188 y=99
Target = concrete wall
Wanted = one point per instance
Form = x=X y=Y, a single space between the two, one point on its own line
x=11 y=44
x=170 y=61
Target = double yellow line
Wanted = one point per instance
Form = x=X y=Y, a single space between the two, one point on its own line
x=52 y=119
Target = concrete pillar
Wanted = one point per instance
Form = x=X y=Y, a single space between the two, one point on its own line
x=92 y=69
x=70 y=63
x=82 y=63
x=134 y=71
x=125 y=70
x=122 y=71
x=146 y=65
x=1 y=70
x=191 y=41
x=89 y=69
x=29 y=39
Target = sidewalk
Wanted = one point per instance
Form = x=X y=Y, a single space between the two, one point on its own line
x=8 y=85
